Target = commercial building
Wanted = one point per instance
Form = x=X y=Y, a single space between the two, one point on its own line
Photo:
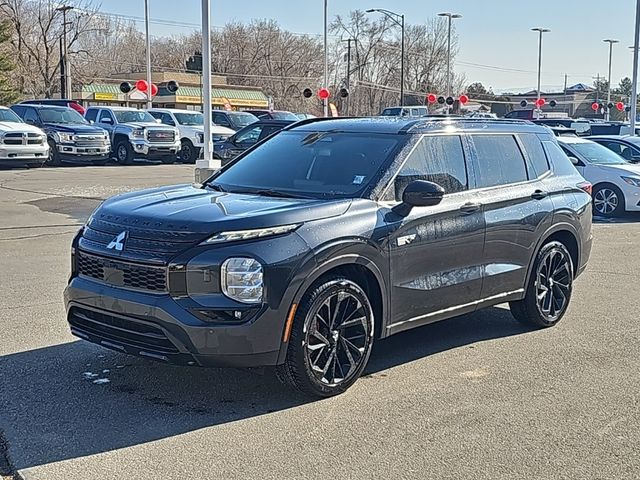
x=188 y=96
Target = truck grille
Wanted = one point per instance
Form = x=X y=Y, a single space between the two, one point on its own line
x=121 y=332
x=122 y=274
x=23 y=138
x=95 y=141
x=161 y=136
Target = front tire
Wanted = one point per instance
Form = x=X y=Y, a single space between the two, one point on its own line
x=54 y=157
x=124 y=153
x=549 y=289
x=188 y=153
x=331 y=338
x=608 y=201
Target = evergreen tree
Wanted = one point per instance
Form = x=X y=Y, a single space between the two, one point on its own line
x=8 y=95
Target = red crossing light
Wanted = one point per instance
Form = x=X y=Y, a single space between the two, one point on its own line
x=323 y=93
x=540 y=102
x=595 y=106
x=431 y=98
x=463 y=99
x=620 y=106
x=142 y=85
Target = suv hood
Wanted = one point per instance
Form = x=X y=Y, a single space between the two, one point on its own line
x=198 y=210
x=18 y=127
x=75 y=128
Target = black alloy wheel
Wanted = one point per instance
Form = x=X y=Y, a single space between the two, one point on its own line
x=331 y=339
x=188 y=152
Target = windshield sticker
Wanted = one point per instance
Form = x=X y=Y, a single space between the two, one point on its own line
x=358 y=179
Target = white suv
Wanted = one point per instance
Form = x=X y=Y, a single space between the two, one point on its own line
x=21 y=142
x=190 y=124
x=616 y=182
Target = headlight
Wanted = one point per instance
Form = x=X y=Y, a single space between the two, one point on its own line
x=138 y=133
x=249 y=234
x=242 y=279
x=633 y=181
x=65 y=137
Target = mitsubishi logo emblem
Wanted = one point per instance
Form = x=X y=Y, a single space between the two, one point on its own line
x=118 y=242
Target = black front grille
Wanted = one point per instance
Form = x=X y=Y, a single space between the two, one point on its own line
x=17 y=138
x=120 y=332
x=122 y=274
x=161 y=136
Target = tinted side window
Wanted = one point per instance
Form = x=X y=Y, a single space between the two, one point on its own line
x=535 y=154
x=155 y=114
x=167 y=119
x=221 y=119
x=250 y=136
x=500 y=160
x=19 y=110
x=559 y=159
x=91 y=115
x=106 y=115
x=438 y=159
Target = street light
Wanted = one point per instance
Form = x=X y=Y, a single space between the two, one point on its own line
x=399 y=21
x=540 y=30
x=148 y=52
x=325 y=101
x=610 y=42
x=67 y=67
x=450 y=16
x=634 y=82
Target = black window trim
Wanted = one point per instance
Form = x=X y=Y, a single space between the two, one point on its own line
x=379 y=197
x=527 y=158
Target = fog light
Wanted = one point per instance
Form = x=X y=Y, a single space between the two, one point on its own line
x=241 y=280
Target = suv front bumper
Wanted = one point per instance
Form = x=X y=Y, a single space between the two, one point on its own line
x=25 y=153
x=72 y=152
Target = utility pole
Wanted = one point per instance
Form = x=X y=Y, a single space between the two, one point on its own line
x=63 y=74
x=66 y=92
x=348 y=84
x=325 y=102
x=634 y=86
x=610 y=42
x=566 y=106
x=148 y=52
x=540 y=30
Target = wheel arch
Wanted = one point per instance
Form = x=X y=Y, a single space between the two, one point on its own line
x=568 y=236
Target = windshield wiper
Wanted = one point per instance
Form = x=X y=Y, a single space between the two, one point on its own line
x=268 y=193
x=215 y=186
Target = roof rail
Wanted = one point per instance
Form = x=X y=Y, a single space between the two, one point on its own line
x=308 y=121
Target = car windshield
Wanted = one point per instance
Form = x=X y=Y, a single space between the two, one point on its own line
x=242 y=119
x=284 y=116
x=130 y=116
x=61 y=115
x=597 y=154
x=7 y=115
x=392 y=112
x=195 y=118
x=318 y=165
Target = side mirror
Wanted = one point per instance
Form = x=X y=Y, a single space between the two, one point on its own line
x=574 y=160
x=635 y=158
x=421 y=193
x=30 y=122
x=158 y=120
x=92 y=122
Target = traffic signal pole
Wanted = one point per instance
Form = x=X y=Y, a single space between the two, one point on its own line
x=634 y=86
x=325 y=102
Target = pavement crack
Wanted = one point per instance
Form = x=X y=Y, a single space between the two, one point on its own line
x=50 y=194
x=27 y=237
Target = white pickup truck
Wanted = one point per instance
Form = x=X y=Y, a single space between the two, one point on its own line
x=21 y=142
x=191 y=126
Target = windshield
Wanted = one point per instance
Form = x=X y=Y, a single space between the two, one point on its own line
x=284 y=116
x=392 y=112
x=597 y=154
x=317 y=164
x=7 y=115
x=190 y=118
x=60 y=115
x=129 y=116
x=242 y=119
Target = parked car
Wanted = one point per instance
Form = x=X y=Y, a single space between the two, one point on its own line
x=233 y=146
x=627 y=146
x=190 y=124
x=58 y=102
x=136 y=134
x=328 y=236
x=305 y=116
x=70 y=137
x=233 y=120
x=406 y=111
x=273 y=114
x=580 y=127
x=616 y=182
x=21 y=143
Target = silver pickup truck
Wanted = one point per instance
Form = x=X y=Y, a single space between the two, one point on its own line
x=20 y=142
x=136 y=134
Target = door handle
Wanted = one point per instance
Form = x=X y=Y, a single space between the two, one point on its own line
x=539 y=195
x=470 y=207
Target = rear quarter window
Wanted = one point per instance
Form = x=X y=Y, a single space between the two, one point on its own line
x=536 y=158
x=559 y=160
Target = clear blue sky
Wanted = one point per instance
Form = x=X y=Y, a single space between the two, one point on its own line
x=493 y=34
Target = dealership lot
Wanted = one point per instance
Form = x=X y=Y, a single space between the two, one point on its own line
x=474 y=397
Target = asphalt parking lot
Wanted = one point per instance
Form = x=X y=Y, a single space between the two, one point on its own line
x=474 y=397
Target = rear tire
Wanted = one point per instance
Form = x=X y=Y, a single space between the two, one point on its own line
x=124 y=152
x=549 y=289
x=54 y=158
x=608 y=201
x=331 y=338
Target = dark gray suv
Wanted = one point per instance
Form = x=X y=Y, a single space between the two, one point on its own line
x=330 y=235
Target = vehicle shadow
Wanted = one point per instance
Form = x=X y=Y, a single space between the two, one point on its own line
x=76 y=399
x=627 y=217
